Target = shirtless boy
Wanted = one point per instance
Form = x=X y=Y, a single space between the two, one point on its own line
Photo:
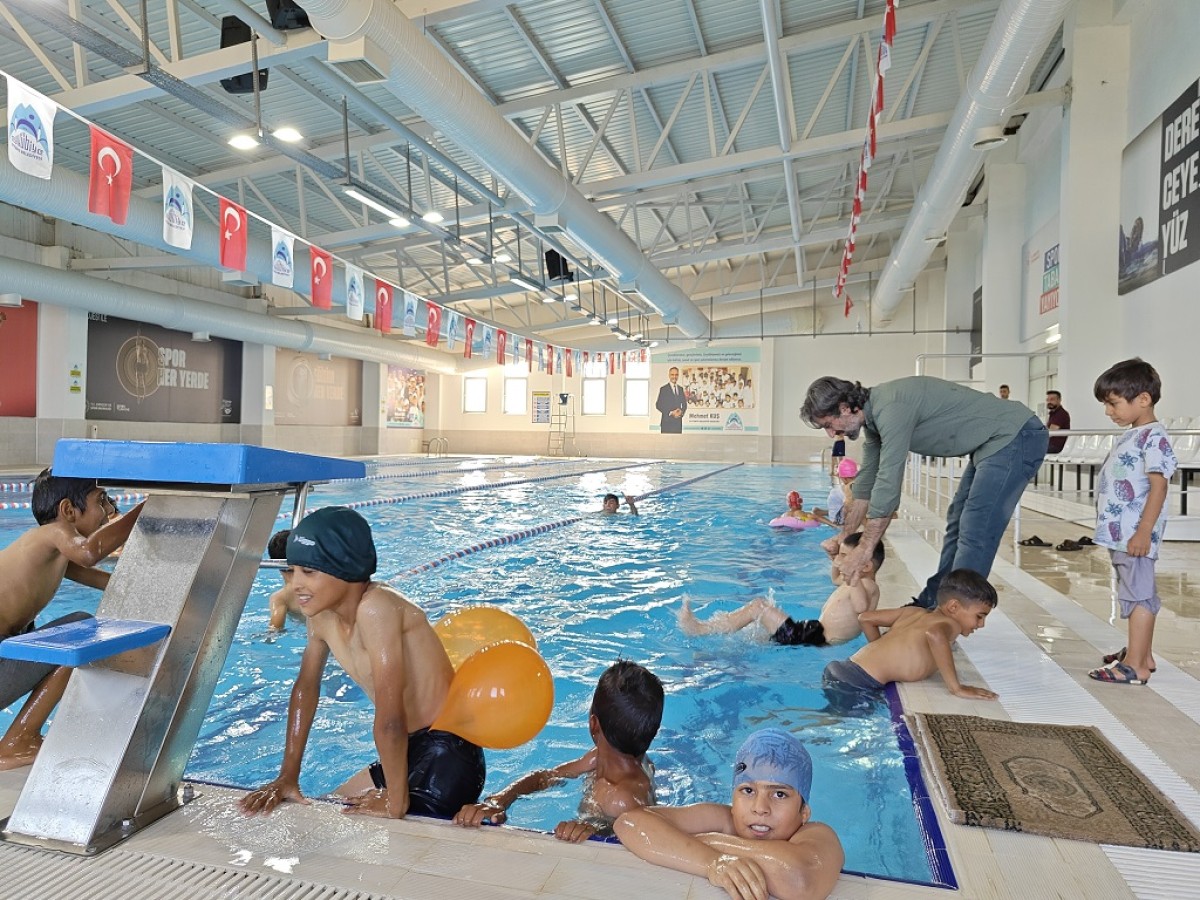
x=612 y=503
x=918 y=643
x=626 y=711
x=837 y=623
x=70 y=539
x=388 y=647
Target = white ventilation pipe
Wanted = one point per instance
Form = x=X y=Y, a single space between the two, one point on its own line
x=425 y=81
x=1020 y=33
x=65 y=197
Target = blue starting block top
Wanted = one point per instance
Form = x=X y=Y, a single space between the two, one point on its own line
x=85 y=641
x=180 y=464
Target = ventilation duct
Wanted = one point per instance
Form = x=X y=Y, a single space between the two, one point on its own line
x=360 y=61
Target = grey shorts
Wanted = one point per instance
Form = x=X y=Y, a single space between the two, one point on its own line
x=1135 y=583
x=18 y=677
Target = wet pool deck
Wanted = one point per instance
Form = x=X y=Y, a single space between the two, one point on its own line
x=1052 y=626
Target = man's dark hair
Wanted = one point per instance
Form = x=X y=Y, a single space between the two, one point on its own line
x=277 y=546
x=852 y=540
x=608 y=497
x=49 y=490
x=1128 y=379
x=628 y=705
x=967 y=586
x=826 y=396
x=1004 y=387
x=1057 y=395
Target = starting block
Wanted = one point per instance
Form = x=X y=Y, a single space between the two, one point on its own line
x=79 y=643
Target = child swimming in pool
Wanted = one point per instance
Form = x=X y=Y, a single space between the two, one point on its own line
x=73 y=534
x=612 y=503
x=385 y=643
x=283 y=604
x=761 y=843
x=795 y=508
x=918 y=643
x=837 y=623
x=624 y=718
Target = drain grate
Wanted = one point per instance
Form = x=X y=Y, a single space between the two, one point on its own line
x=32 y=874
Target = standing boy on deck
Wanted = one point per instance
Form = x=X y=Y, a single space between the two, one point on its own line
x=762 y=843
x=388 y=647
x=836 y=624
x=70 y=539
x=623 y=720
x=1131 y=510
x=918 y=643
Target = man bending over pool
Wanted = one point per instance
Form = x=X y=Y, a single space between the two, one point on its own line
x=388 y=647
x=762 y=844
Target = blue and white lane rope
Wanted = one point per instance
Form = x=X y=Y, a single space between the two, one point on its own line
x=449 y=470
x=542 y=529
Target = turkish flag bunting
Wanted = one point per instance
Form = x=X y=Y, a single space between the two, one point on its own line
x=501 y=345
x=233 y=236
x=567 y=364
x=549 y=360
x=612 y=364
x=849 y=304
x=889 y=21
x=433 y=323
x=383 y=306
x=529 y=353
x=321 y=282
x=111 y=177
x=469 y=338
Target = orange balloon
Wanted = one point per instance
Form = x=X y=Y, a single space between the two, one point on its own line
x=501 y=696
x=466 y=630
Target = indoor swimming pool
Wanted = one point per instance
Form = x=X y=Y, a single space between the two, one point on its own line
x=592 y=589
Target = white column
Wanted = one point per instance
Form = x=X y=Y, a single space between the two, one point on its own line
x=963 y=247
x=62 y=366
x=1002 y=273
x=258 y=395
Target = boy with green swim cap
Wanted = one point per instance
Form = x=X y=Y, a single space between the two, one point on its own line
x=762 y=844
x=385 y=643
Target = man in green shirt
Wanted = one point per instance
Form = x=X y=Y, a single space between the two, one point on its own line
x=1005 y=441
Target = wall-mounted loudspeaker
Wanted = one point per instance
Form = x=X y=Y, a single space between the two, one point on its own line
x=286 y=15
x=557 y=268
x=233 y=32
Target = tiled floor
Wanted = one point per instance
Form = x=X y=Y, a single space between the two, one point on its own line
x=1054 y=622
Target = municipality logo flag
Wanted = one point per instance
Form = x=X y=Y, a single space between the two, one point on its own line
x=178 y=222
x=283 y=258
x=30 y=129
x=354 y=293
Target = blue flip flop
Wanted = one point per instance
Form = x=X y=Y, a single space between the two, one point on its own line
x=1117 y=673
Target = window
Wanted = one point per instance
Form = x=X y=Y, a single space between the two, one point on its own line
x=474 y=394
x=594 y=396
x=516 y=395
x=637 y=388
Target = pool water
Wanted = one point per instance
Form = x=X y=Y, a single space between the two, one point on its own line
x=592 y=592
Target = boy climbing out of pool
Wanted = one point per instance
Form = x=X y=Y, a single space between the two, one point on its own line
x=283 y=603
x=762 y=843
x=837 y=623
x=385 y=643
x=612 y=503
x=917 y=643
x=623 y=720
x=73 y=534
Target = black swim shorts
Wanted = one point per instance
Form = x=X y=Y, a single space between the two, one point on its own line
x=445 y=773
x=809 y=632
x=849 y=687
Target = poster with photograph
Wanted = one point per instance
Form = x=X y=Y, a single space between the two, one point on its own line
x=405 y=401
x=314 y=391
x=705 y=389
x=143 y=373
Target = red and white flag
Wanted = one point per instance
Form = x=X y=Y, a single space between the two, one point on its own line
x=612 y=364
x=111 y=177
x=233 y=235
x=501 y=345
x=383 y=306
x=433 y=323
x=849 y=305
x=321 y=278
x=468 y=338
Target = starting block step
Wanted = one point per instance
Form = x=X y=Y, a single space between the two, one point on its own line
x=88 y=640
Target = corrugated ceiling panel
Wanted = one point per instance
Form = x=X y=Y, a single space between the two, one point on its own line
x=654 y=33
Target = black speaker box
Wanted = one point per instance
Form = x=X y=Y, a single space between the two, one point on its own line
x=557 y=268
x=233 y=32
x=286 y=15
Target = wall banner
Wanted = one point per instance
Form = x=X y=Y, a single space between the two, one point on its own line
x=314 y=391
x=405 y=401
x=705 y=389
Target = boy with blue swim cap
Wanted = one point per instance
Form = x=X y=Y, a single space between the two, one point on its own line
x=385 y=643
x=762 y=843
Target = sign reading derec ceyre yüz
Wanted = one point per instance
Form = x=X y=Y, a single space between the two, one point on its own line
x=144 y=373
x=1159 y=231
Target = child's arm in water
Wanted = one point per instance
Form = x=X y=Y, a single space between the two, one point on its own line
x=629 y=502
x=495 y=808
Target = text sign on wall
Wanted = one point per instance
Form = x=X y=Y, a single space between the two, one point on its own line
x=541 y=407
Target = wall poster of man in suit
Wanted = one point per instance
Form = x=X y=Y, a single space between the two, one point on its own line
x=705 y=389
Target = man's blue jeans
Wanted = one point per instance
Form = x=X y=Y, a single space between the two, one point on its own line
x=986 y=497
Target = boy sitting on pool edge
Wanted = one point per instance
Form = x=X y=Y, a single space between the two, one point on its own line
x=623 y=720
x=918 y=643
x=762 y=842
x=385 y=643
x=837 y=623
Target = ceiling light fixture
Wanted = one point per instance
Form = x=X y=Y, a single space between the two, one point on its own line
x=523 y=282
x=287 y=134
x=433 y=217
x=243 y=141
x=503 y=258
x=613 y=320
x=362 y=198
x=399 y=222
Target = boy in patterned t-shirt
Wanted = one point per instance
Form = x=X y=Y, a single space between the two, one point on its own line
x=1131 y=510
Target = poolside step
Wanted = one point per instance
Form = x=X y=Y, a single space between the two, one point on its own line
x=79 y=643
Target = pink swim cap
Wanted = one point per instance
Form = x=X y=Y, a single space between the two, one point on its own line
x=847 y=468
x=794 y=500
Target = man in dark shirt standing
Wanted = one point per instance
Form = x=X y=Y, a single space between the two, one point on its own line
x=1056 y=418
x=672 y=403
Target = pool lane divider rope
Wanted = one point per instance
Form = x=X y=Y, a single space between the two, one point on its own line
x=464 y=488
x=448 y=470
x=542 y=529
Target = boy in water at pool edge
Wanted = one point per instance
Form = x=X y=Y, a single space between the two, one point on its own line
x=624 y=718
x=837 y=623
x=761 y=843
x=387 y=646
